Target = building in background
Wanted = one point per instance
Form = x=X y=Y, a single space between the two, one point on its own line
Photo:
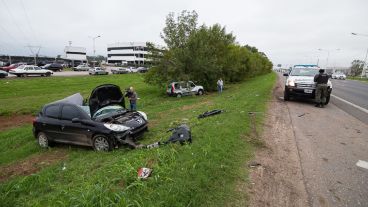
x=131 y=53
x=75 y=54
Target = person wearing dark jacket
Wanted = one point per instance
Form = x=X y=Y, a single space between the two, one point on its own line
x=132 y=96
x=321 y=89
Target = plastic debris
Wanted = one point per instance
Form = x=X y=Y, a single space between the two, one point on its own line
x=144 y=173
x=210 y=113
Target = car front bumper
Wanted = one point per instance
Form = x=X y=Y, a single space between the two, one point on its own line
x=303 y=92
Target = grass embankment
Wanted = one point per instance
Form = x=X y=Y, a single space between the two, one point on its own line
x=364 y=79
x=203 y=173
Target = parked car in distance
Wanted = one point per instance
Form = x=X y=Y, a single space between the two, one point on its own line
x=97 y=71
x=300 y=83
x=103 y=124
x=142 y=70
x=30 y=70
x=120 y=70
x=53 y=66
x=3 y=74
x=338 y=76
x=183 y=88
x=133 y=69
x=81 y=68
x=12 y=66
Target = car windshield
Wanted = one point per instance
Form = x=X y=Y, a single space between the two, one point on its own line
x=108 y=110
x=37 y=68
x=304 y=72
x=21 y=67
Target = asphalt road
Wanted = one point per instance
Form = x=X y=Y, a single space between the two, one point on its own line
x=347 y=93
x=330 y=142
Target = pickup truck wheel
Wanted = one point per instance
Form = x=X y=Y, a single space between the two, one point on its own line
x=286 y=96
x=327 y=99
x=102 y=143
x=200 y=92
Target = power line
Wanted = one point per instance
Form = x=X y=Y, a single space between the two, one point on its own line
x=29 y=23
x=14 y=22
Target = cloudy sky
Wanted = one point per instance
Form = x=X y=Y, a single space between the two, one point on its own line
x=288 y=31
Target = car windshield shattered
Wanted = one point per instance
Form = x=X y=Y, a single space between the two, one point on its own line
x=303 y=72
x=109 y=110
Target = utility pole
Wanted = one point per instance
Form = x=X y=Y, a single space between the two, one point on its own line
x=365 y=59
x=34 y=52
x=94 y=49
x=328 y=56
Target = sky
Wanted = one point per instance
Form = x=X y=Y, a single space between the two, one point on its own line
x=287 y=31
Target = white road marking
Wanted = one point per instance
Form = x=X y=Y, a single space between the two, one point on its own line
x=351 y=104
x=362 y=164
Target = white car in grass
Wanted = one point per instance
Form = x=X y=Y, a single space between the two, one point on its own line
x=30 y=70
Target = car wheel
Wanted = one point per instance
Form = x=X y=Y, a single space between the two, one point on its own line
x=286 y=96
x=200 y=92
x=43 y=141
x=102 y=143
x=178 y=95
x=327 y=100
x=24 y=75
x=48 y=74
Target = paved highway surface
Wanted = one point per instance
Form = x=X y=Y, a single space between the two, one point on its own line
x=331 y=142
x=352 y=97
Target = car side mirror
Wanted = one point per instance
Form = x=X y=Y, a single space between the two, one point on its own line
x=76 y=120
x=286 y=74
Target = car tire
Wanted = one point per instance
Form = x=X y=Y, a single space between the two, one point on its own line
x=102 y=143
x=179 y=95
x=24 y=75
x=200 y=92
x=286 y=96
x=43 y=140
x=327 y=99
x=48 y=74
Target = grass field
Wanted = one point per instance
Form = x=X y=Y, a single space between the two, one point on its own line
x=364 y=79
x=203 y=173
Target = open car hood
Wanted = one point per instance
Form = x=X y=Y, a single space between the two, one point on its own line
x=104 y=95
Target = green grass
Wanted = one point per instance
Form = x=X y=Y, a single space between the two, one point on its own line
x=203 y=173
x=358 y=78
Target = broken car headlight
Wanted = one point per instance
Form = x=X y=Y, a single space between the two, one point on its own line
x=116 y=127
x=290 y=83
x=143 y=114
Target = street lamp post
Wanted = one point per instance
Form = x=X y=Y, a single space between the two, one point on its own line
x=366 y=54
x=328 y=54
x=94 y=49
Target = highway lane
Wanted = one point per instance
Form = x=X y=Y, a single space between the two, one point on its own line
x=354 y=92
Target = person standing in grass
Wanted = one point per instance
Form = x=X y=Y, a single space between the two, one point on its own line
x=220 y=85
x=132 y=96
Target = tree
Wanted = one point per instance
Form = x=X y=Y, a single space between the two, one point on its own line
x=357 y=67
x=202 y=54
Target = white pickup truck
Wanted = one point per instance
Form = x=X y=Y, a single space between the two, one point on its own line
x=300 y=83
x=30 y=70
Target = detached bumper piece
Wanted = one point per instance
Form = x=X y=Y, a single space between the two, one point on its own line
x=181 y=134
x=210 y=113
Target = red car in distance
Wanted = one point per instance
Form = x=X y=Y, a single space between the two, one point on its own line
x=12 y=66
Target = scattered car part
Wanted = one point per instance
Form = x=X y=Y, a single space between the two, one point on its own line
x=144 y=173
x=210 y=113
x=180 y=134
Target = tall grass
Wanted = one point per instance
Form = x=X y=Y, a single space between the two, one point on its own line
x=203 y=173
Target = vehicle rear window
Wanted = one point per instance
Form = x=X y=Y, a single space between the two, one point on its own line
x=52 y=111
x=70 y=112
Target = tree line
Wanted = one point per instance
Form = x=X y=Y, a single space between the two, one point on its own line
x=202 y=54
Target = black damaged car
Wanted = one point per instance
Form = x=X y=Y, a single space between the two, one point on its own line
x=104 y=123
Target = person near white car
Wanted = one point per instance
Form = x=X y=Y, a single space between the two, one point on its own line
x=321 y=89
x=220 y=85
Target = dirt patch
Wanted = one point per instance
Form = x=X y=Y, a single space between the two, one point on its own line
x=7 y=122
x=32 y=164
x=276 y=177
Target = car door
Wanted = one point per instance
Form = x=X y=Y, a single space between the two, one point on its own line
x=192 y=87
x=76 y=133
x=50 y=123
